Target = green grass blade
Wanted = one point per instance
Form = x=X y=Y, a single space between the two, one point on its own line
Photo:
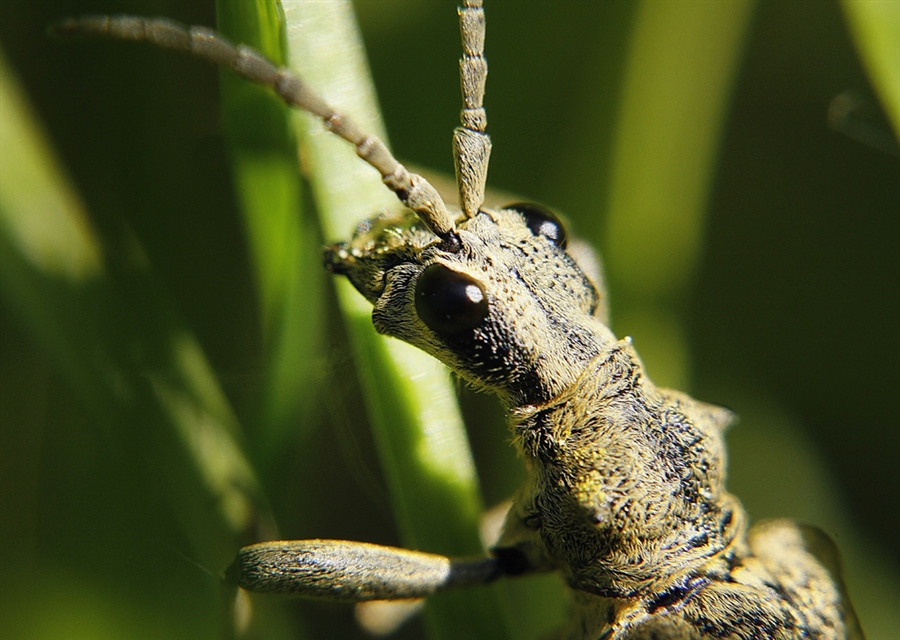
x=682 y=64
x=875 y=27
x=284 y=244
x=58 y=280
x=417 y=426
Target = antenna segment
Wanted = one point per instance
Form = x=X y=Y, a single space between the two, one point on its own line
x=471 y=145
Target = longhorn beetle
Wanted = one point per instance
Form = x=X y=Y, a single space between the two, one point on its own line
x=625 y=492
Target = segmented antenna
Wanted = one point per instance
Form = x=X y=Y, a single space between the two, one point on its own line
x=413 y=190
x=471 y=145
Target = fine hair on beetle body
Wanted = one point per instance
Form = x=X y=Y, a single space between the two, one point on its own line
x=625 y=495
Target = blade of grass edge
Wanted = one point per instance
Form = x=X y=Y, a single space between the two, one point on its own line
x=284 y=246
x=875 y=28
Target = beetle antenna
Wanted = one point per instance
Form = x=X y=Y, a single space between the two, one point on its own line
x=471 y=145
x=412 y=190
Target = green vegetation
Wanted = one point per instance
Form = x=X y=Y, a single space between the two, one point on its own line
x=174 y=377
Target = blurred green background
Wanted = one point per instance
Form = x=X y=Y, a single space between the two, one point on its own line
x=774 y=293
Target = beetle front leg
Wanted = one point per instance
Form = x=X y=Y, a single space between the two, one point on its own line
x=353 y=571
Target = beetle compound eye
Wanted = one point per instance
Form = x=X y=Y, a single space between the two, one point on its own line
x=542 y=222
x=448 y=301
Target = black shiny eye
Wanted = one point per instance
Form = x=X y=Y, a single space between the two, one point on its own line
x=542 y=222
x=448 y=301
